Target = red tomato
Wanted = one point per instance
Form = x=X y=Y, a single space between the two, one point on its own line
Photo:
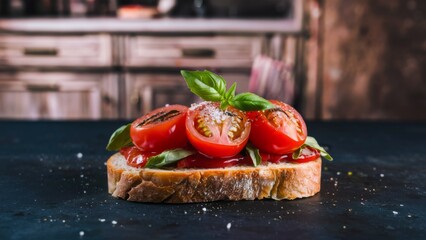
x=135 y=157
x=307 y=154
x=217 y=133
x=273 y=158
x=200 y=161
x=279 y=130
x=161 y=129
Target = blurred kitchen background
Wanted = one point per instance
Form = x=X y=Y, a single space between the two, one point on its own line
x=112 y=59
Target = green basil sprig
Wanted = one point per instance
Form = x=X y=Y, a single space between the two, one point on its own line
x=120 y=138
x=168 y=157
x=254 y=154
x=311 y=142
x=212 y=87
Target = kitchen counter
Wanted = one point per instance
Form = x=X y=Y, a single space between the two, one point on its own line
x=53 y=182
x=166 y=25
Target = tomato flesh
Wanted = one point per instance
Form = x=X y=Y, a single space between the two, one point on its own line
x=161 y=129
x=200 y=161
x=136 y=157
x=217 y=133
x=307 y=155
x=279 y=130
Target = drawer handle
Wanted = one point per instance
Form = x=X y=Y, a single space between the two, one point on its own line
x=40 y=52
x=198 y=53
x=42 y=87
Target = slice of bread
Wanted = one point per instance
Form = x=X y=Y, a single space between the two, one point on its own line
x=276 y=181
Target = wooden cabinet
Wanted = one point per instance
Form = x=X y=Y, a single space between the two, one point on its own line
x=94 y=76
x=192 y=51
x=53 y=95
x=86 y=50
x=41 y=77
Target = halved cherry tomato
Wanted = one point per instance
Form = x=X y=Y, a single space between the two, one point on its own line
x=161 y=129
x=279 y=130
x=200 y=161
x=307 y=155
x=217 y=133
x=136 y=157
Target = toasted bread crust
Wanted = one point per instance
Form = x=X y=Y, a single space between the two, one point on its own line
x=276 y=181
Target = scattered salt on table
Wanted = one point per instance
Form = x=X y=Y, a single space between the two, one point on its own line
x=228 y=226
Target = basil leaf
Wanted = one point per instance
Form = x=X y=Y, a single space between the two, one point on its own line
x=228 y=95
x=250 y=102
x=205 y=84
x=120 y=138
x=311 y=142
x=296 y=154
x=254 y=154
x=168 y=157
x=231 y=92
x=224 y=105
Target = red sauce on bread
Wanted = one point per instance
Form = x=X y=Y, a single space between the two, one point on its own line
x=138 y=158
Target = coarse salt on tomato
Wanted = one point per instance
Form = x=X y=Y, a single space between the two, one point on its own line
x=210 y=112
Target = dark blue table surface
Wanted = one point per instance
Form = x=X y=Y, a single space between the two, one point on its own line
x=53 y=186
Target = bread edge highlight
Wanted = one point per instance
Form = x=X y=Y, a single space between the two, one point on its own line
x=276 y=181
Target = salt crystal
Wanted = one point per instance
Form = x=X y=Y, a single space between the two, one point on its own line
x=228 y=226
x=114 y=222
x=101 y=219
x=395 y=212
x=338 y=173
x=382 y=175
x=204 y=209
x=344 y=227
x=409 y=215
x=79 y=155
x=401 y=205
x=81 y=233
